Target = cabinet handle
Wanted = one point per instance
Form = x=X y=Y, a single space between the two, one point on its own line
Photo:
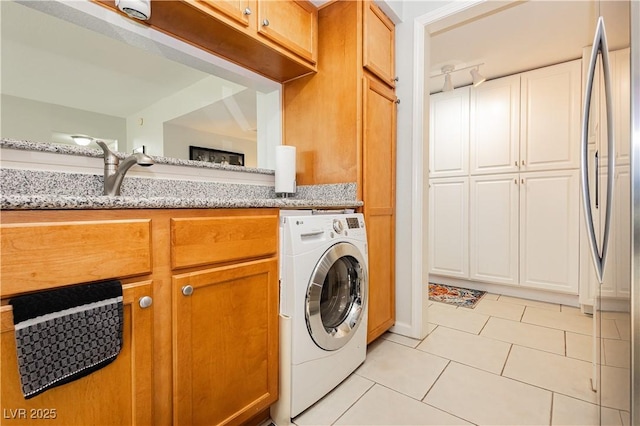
x=187 y=290
x=397 y=101
x=516 y=163
x=265 y=23
x=522 y=181
x=247 y=11
x=396 y=79
x=145 y=302
x=515 y=181
x=523 y=162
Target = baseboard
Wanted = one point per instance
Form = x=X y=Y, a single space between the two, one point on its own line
x=404 y=329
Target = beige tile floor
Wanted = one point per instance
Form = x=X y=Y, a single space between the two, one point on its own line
x=509 y=361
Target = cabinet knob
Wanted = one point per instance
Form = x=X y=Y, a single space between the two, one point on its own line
x=265 y=23
x=247 y=11
x=523 y=162
x=516 y=163
x=522 y=181
x=396 y=79
x=187 y=290
x=397 y=101
x=515 y=181
x=145 y=302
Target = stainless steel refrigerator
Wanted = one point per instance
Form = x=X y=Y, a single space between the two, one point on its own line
x=610 y=176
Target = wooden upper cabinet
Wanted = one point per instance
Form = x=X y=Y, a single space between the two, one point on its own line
x=378 y=44
x=238 y=12
x=283 y=50
x=293 y=24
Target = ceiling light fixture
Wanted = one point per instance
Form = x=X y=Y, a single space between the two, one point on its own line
x=82 y=140
x=448 y=84
x=478 y=78
x=447 y=70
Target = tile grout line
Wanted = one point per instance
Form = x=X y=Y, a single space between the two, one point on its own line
x=354 y=402
x=553 y=394
x=505 y=361
x=436 y=380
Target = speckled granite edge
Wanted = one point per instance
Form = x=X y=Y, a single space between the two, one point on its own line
x=35 y=189
x=47 y=202
x=91 y=152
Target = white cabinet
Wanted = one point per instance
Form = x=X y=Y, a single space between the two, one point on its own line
x=449 y=133
x=494 y=228
x=449 y=227
x=549 y=230
x=494 y=132
x=550 y=117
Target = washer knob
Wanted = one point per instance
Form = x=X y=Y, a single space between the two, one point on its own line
x=337 y=226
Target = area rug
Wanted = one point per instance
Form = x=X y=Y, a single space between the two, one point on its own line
x=458 y=296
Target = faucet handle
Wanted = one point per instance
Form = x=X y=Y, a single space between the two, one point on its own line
x=109 y=157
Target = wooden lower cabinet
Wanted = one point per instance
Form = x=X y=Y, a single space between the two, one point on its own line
x=118 y=394
x=225 y=321
x=207 y=358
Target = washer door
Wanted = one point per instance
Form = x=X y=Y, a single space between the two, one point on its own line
x=336 y=296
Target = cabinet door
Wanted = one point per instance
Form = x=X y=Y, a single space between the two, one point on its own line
x=550 y=117
x=118 y=394
x=379 y=43
x=449 y=133
x=549 y=227
x=449 y=227
x=225 y=343
x=495 y=126
x=292 y=24
x=237 y=11
x=621 y=233
x=621 y=104
x=493 y=227
x=379 y=159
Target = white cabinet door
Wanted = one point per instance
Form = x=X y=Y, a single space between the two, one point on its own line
x=621 y=104
x=449 y=227
x=550 y=117
x=622 y=232
x=495 y=126
x=493 y=242
x=549 y=228
x=449 y=133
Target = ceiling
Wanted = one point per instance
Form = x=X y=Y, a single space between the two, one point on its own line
x=524 y=35
x=53 y=61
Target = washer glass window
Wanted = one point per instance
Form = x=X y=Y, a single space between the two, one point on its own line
x=336 y=296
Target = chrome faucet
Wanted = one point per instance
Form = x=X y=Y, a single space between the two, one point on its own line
x=114 y=171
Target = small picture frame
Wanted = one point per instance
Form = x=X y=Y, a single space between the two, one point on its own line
x=216 y=156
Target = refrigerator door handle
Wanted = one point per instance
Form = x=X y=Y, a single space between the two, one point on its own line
x=599 y=254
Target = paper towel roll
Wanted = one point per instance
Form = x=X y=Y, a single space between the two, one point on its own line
x=285 y=169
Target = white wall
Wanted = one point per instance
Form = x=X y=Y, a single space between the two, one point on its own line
x=411 y=178
x=177 y=140
x=145 y=127
x=25 y=119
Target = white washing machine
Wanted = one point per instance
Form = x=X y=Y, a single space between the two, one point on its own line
x=323 y=306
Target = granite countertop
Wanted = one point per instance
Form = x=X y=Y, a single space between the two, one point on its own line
x=25 y=189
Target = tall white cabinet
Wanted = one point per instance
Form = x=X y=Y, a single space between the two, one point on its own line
x=523 y=205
